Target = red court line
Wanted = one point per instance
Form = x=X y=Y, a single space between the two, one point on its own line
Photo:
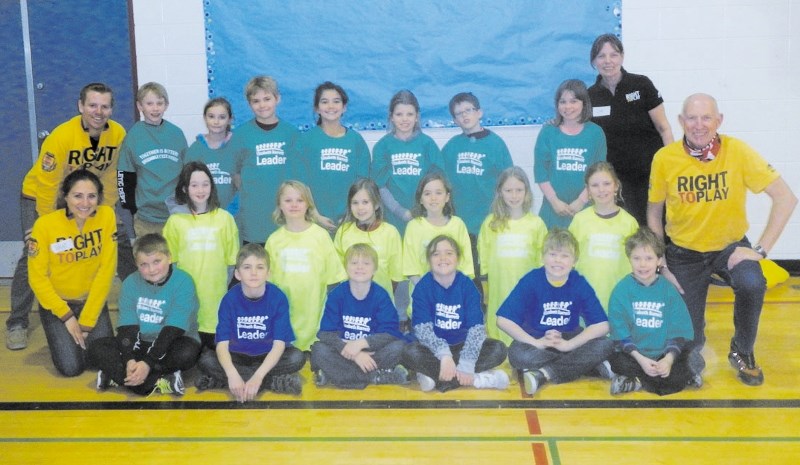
x=539 y=454
x=533 y=422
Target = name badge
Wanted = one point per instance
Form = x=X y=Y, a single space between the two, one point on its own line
x=62 y=246
x=601 y=111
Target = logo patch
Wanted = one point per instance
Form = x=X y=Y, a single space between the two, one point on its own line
x=33 y=247
x=49 y=162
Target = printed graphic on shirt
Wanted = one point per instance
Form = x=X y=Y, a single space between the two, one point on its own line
x=571 y=159
x=703 y=188
x=604 y=246
x=79 y=247
x=633 y=96
x=270 y=153
x=150 y=310
x=470 y=163
x=510 y=245
x=251 y=327
x=90 y=158
x=447 y=316
x=355 y=327
x=220 y=177
x=406 y=164
x=295 y=260
x=556 y=314
x=202 y=238
x=648 y=314
x=335 y=159
x=160 y=154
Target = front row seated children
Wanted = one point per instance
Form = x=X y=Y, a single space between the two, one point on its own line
x=542 y=315
x=650 y=326
x=253 y=335
x=359 y=342
x=157 y=331
x=452 y=349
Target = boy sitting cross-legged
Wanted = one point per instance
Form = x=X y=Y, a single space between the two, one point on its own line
x=650 y=326
x=253 y=335
x=157 y=332
x=542 y=315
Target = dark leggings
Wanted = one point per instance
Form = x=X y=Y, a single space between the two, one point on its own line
x=106 y=354
x=419 y=358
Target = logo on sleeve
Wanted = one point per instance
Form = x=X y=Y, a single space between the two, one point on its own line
x=49 y=162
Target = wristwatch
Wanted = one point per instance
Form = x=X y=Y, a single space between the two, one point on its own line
x=760 y=250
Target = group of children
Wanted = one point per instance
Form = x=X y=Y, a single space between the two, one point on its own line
x=344 y=300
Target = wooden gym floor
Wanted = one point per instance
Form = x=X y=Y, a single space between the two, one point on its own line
x=48 y=419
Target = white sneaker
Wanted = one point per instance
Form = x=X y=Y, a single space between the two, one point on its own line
x=426 y=383
x=491 y=379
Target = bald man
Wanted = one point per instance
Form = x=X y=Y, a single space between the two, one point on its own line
x=703 y=181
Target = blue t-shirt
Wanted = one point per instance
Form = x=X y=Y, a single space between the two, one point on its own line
x=264 y=159
x=472 y=164
x=453 y=310
x=537 y=306
x=330 y=166
x=356 y=319
x=251 y=325
x=152 y=307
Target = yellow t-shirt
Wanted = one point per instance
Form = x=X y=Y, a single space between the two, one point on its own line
x=706 y=201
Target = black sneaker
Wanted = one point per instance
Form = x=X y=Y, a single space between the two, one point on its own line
x=104 y=381
x=320 y=378
x=169 y=384
x=533 y=380
x=207 y=382
x=622 y=384
x=286 y=384
x=396 y=375
x=749 y=373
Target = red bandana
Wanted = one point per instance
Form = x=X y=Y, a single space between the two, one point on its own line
x=707 y=153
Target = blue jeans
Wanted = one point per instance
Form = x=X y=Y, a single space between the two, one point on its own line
x=68 y=357
x=694 y=269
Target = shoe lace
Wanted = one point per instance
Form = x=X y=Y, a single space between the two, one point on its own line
x=162 y=387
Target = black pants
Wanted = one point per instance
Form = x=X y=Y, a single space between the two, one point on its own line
x=106 y=354
x=419 y=358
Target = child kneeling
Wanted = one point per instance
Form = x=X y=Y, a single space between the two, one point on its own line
x=650 y=326
x=542 y=316
x=253 y=335
x=359 y=341
x=452 y=348
x=157 y=332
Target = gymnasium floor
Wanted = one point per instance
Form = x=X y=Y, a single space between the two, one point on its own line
x=48 y=419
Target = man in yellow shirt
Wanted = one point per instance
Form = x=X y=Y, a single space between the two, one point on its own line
x=703 y=180
x=91 y=141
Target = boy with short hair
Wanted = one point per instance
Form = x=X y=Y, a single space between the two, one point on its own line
x=359 y=343
x=157 y=330
x=473 y=161
x=650 y=326
x=265 y=149
x=542 y=316
x=151 y=158
x=253 y=335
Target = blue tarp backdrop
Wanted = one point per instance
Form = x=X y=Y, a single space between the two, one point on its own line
x=511 y=54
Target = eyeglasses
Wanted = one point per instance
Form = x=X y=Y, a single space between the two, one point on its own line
x=465 y=112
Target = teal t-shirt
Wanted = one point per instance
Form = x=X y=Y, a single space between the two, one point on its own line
x=330 y=166
x=220 y=161
x=264 y=159
x=398 y=165
x=562 y=160
x=472 y=165
x=152 y=307
x=155 y=154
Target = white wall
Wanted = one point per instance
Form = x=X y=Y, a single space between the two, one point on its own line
x=744 y=52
